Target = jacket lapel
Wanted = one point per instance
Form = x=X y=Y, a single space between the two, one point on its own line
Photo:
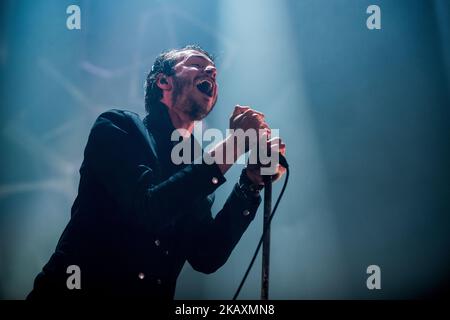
x=148 y=139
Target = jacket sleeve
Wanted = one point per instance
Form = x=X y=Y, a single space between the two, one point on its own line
x=114 y=156
x=213 y=239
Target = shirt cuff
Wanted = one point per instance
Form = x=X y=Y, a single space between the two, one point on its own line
x=209 y=176
x=246 y=206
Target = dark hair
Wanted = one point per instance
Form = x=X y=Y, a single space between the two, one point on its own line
x=164 y=63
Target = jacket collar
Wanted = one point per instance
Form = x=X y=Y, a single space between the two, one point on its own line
x=158 y=121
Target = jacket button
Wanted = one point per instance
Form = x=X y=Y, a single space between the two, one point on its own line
x=246 y=212
x=141 y=275
x=214 y=180
x=158 y=281
x=157 y=243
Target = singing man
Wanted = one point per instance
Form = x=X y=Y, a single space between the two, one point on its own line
x=138 y=217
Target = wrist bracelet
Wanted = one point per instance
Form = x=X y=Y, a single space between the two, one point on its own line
x=247 y=186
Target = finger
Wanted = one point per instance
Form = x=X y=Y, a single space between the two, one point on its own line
x=278 y=148
x=264 y=126
x=280 y=171
x=244 y=116
x=265 y=134
x=258 y=116
x=249 y=115
x=258 y=113
x=237 y=117
x=239 y=109
x=276 y=176
x=274 y=149
x=275 y=141
x=247 y=111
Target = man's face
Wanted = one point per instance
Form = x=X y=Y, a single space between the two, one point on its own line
x=195 y=89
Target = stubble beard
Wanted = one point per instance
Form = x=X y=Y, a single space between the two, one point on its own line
x=191 y=108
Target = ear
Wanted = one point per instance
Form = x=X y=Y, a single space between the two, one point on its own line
x=164 y=82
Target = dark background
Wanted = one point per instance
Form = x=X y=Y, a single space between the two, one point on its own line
x=364 y=114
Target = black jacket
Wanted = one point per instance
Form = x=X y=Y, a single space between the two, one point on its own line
x=137 y=217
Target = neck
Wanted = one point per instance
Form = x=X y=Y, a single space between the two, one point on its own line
x=180 y=123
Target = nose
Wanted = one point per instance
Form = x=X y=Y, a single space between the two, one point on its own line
x=211 y=71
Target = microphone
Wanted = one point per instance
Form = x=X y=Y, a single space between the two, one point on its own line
x=281 y=160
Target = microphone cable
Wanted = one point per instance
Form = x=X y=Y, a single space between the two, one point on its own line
x=284 y=163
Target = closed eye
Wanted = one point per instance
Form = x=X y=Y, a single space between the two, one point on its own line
x=197 y=65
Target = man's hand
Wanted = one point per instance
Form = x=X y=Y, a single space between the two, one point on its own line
x=244 y=118
x=254 y=170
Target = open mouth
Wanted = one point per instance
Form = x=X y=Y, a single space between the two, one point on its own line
x=205 y=87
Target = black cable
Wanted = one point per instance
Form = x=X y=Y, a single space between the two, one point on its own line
x=264 y=233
